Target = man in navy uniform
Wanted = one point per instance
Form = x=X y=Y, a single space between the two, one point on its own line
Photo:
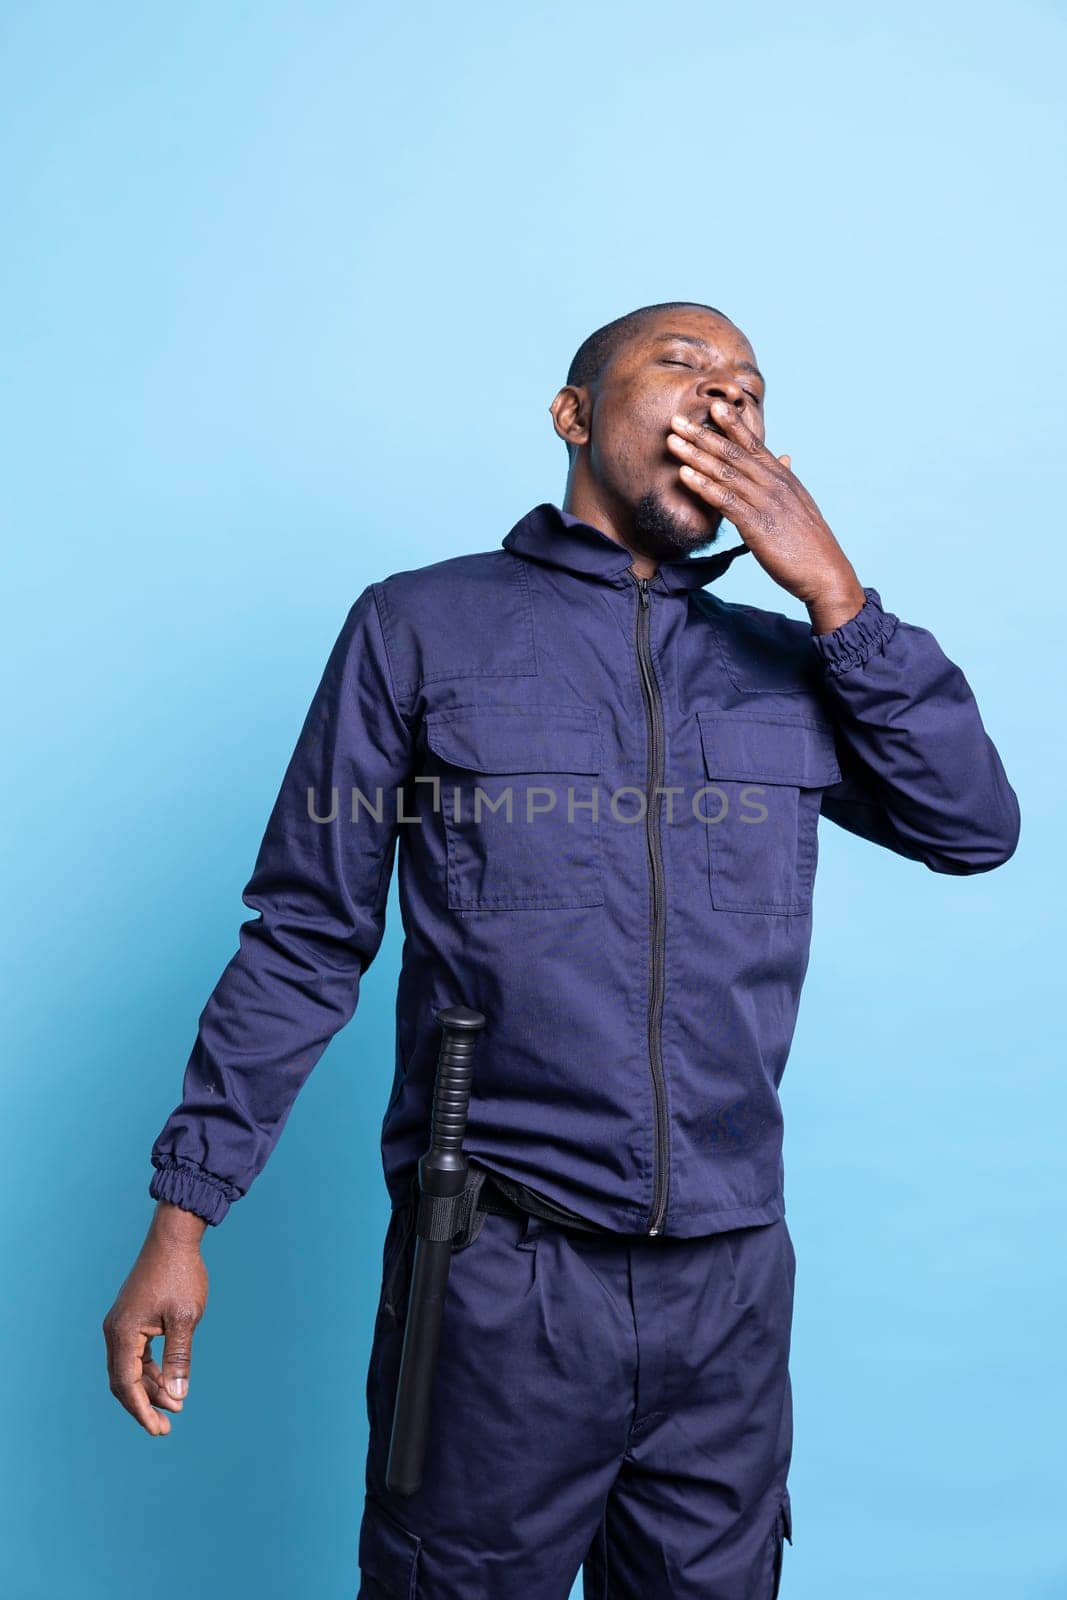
x=603 y=781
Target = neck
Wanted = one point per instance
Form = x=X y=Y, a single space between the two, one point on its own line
x=585 y=502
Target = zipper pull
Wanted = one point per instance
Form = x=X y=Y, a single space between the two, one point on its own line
x=642 y=584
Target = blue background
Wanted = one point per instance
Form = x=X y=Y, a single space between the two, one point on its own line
x=287 y=291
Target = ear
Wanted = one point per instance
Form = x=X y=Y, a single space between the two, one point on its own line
x=570 y=414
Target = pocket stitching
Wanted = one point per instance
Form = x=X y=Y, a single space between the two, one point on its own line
x=587 y=724
x=805 y=837
x=405 y=1216
x=582 y=722
x=384 y=1540
x=781 y=1531
x=706 y=719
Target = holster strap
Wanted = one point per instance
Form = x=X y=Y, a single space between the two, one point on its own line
x=441 y=1219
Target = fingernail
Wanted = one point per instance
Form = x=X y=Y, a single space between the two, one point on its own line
x=177 y=1388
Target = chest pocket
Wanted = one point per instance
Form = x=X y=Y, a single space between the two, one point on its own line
x=520 y=803
x=765 y=779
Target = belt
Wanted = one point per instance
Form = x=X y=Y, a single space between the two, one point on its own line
x=485 y=1193
x=461 y=1220
x=516 y=1200
x=492 y=1198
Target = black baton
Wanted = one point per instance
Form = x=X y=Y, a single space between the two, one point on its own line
x=442 y=1180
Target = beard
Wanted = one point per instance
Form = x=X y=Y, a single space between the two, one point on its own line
x=663 y=535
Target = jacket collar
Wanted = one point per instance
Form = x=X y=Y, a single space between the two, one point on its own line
x=560 y=539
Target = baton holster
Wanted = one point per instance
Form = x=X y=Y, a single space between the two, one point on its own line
x=460 y=1219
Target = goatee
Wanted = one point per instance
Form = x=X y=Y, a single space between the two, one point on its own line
x=663 y=535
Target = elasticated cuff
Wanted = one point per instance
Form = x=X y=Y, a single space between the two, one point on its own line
x=856 y=640
x=185 y=1184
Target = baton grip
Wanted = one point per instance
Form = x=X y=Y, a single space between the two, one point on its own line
x=442 y=1178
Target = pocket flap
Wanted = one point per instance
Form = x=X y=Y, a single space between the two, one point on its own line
x=768 y=749
x=490 y=740
x=388 y=1553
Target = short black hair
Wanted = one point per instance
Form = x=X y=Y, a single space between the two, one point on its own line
x=596 y=352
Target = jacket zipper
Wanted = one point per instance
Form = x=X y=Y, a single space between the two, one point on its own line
x=654 y=715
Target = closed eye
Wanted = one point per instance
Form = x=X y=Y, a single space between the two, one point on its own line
x=669 y=361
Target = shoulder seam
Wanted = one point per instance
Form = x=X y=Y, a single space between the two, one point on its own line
x=381 y=611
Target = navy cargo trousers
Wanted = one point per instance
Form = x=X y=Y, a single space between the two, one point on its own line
x=618 y=1406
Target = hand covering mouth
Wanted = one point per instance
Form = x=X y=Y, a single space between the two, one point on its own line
x=708 y=424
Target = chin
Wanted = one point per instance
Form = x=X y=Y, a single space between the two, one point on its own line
x=670 y=531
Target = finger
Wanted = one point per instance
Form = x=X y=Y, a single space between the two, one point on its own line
x=723 y=461
x=754 y=516
x=125 y=1349
x=723 y=497
x=177 y=1353
x=733 y=424
x=718 y=457
x=152 y=1377
x=787 y=461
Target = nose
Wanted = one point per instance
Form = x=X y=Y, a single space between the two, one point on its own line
x=723 y=388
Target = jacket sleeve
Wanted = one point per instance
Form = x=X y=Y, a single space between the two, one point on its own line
x=320 y=885
x=919 y=773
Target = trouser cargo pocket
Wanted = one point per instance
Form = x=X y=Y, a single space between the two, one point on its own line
x=397 y=1254
x=388 y=1556
x=783 y=1530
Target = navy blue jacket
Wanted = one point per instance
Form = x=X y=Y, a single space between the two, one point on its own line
x=603 y=795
